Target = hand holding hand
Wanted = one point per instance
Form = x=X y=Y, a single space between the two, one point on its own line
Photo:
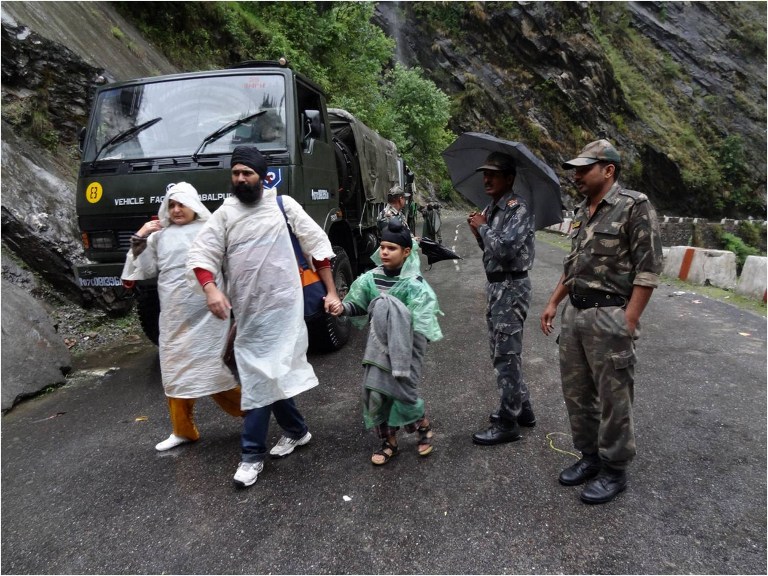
x=333 y=305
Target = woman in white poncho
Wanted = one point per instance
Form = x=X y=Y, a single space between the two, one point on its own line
x=191 y=338
x=248 y=237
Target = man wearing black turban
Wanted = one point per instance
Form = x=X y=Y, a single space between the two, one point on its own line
x=247 y=238
x=247 y=163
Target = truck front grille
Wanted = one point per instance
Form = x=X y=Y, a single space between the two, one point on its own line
x=124 y=240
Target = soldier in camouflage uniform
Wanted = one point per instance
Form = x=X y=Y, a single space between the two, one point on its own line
x=396 y=200
x=609 y=276
x=505 y=233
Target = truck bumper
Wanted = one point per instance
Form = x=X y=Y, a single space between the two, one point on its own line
x=99 y=275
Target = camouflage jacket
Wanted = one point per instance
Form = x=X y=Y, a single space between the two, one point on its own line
x=387 y=214
x=618 y=247
x=508 y=238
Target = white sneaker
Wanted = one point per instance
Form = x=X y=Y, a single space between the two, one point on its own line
x=286 y=445
x=247 y=473
x=171 y=442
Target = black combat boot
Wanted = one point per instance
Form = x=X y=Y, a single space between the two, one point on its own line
x=605 y=487
x=585 y=469
x=527 y=417
x=498 y=433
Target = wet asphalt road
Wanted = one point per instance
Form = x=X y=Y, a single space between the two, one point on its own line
x=83 y=490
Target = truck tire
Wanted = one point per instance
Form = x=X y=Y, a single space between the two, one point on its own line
x=349 y=173
x=148 y=309
x=329 y=333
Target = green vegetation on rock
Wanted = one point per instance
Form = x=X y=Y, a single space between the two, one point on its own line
x=712 y=164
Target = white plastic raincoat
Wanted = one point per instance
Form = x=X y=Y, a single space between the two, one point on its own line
x=192 y=339
x=254 y=248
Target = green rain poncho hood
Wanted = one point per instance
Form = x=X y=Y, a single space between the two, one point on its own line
x=416 y=294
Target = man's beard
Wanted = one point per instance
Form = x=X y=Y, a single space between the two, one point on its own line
x=247 y=193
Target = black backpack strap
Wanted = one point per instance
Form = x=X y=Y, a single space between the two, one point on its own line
x=295 y=241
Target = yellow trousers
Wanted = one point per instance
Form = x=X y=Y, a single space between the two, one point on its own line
x=181 y=411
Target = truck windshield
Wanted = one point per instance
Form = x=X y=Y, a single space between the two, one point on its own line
x=191 y=109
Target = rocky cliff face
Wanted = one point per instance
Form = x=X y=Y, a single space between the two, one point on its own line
x=46 y=93
x=45 y=90
x=538 y=72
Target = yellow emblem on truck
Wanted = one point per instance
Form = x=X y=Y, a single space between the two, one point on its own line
x=93 y=192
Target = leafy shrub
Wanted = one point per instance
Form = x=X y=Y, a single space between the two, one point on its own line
x=736 y=245
x=446 y=193
x=753 y=234
x=414 y=113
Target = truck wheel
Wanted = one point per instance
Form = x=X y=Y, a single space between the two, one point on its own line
x=148 y=308
x=329 y=333
x=349 y=173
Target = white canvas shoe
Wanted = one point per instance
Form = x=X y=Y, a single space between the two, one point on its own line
x=171 y=442
x=287 y=445
x=247 y=473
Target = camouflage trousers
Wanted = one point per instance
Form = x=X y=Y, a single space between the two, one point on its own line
x=597 y=368
x=507 y=308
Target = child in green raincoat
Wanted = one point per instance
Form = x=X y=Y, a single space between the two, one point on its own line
x=403 y=313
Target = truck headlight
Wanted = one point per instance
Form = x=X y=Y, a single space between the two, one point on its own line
x=102 y=240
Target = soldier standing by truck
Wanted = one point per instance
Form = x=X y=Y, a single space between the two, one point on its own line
x=396 y=200
x=248 y=237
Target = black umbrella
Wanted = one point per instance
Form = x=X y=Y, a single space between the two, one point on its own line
x=435 y=252
x=536 y=182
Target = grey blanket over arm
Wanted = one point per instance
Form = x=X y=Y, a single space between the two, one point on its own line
x=394 y=355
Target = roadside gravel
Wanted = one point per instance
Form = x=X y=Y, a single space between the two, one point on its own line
x=86 y=331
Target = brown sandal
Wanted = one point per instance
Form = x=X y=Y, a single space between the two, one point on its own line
x=387 y=451
x=426 y=437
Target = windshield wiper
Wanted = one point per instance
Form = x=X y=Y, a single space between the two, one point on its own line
x=213 y=136
x=124 y=136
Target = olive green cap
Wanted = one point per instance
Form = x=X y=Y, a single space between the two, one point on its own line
x=597 y=151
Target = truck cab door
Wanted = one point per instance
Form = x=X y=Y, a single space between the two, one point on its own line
x=319 y=162
x=318 y=191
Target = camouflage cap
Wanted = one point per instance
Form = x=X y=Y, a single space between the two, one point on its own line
x=498 y=161
x=397 y=191
x=597 y=151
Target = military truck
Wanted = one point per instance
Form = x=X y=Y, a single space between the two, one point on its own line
x=145 y=134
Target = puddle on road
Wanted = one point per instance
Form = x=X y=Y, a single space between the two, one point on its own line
x=112 y=356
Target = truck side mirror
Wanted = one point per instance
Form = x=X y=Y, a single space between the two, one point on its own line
x=81 y=139
x=314 y=123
